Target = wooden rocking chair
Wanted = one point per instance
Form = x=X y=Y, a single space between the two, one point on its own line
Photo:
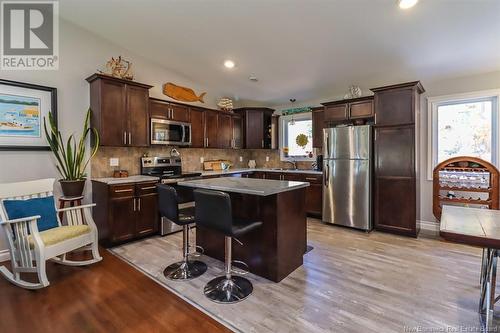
x=29 y=249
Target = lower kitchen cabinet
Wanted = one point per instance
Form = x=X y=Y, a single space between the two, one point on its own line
x=125 y=212
x=314 y=193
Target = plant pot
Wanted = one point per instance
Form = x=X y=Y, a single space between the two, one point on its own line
x=72 y=188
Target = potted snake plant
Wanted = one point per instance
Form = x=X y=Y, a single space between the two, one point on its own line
x=70 y=155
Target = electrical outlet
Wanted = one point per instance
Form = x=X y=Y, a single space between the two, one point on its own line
x=202 y=160
x=114 y=162
x=241 y=158
x=267 y=158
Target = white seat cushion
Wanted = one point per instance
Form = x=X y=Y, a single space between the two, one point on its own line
x=59 y=234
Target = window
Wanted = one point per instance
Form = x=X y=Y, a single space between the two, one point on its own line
x=296 y=137
x=463 y=125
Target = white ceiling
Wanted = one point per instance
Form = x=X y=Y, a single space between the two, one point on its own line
x=303 y=49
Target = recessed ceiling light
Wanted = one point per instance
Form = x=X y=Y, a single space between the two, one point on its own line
x=229 y=64
x=405 y=4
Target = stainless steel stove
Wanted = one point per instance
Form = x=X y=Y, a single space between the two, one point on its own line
x=166 y=168
x=169 y=170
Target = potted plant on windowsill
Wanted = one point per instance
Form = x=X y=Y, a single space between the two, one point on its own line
x=70 y=156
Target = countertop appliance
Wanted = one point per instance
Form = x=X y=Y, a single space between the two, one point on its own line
x=347 y=165
x=169 y=168
x=168 y=132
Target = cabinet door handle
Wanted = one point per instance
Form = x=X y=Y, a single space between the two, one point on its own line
x=310 y=178
x=129 y=138
x=148 y=188
x=123 y=191
x=139 y=204
x=135 y=207
x=172 y=113
x=207 y=142
x=262 y=143
x=124 y=138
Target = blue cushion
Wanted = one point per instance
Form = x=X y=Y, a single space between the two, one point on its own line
x=44 y=207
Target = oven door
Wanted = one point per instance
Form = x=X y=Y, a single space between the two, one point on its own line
x=167 y=132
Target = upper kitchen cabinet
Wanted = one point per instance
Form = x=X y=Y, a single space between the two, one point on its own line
x=318 y=123
x=162 y=109
x=119 y=111
x=257 y=127
x=397 y=104
x=225 y=130
x=237 y=131
x=348 y=109
x=211 y=129
x=197 y=128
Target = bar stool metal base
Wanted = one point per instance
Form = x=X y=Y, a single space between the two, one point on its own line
x=227 y=291
x=185 y=270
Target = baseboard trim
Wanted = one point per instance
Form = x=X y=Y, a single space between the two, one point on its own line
x=429 y=226
x=4 y=255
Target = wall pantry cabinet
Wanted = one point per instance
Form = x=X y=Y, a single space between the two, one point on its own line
x=120 y=111
x=396 y=180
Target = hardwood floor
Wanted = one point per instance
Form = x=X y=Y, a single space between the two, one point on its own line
x=350 y=282
x=110 y=296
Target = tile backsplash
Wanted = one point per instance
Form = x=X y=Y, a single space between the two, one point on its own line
x=129 y=158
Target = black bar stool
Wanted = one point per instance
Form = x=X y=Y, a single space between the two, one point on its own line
x=213 y=211
x=169 y=207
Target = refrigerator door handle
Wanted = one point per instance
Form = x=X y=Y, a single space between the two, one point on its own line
x=327 y=144
x=327 y=175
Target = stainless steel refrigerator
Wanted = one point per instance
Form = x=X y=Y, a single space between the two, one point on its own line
x=347 y=164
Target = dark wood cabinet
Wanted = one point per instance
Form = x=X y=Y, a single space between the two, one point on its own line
x=138 y=119
x=257 y=125
x=197 y=128
x=237 y=131
x=166 y=110
x=318 y=124
x=224 y=130
x=396 y=177
x=361 y=109
x=125 y=212
x=396 y=105
x=314 y=193
x=336 y=112
x=120 y=111
x=344 y=111
x=211 y=129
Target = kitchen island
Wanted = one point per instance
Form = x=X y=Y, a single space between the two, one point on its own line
x=274 y=250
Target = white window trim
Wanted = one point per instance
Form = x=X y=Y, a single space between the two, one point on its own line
x=432 y=105
x=283 y=119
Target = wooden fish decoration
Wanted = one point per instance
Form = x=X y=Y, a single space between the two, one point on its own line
x=182 y=94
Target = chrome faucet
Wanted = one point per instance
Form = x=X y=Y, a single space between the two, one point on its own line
x=292 y=162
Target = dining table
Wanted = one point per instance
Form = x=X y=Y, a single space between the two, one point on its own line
x=477 y=227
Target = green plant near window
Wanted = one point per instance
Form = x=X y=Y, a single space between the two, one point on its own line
x=70 y=155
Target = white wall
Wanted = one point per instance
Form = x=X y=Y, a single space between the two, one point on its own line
x=439 y=88
x=81 y=54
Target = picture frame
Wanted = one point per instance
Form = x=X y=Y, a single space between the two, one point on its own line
x=23 y=107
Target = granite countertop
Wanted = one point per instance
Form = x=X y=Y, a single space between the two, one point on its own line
x=242 y=170
x=261 y=187
x=126 y=180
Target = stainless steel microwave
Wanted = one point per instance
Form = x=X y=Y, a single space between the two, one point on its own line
x=168 y=132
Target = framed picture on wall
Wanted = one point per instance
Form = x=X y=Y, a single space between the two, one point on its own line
x=23 y=107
